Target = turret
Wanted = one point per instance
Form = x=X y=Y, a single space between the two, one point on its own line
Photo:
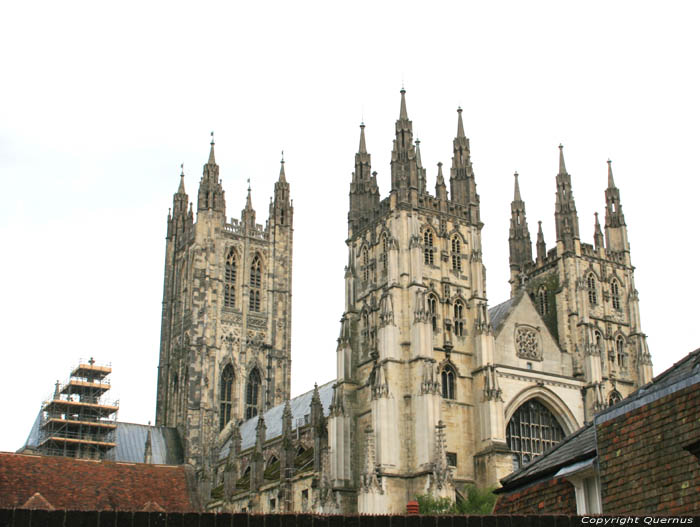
x=565 y=215
x=364 y=193
x=518 y=240
x=598 y=239
x=440 y=188
x=404 y=171
x=248 y=213
x=281 y=209
x=211 y=194
x=541 y=247
x=180 y=220
x=615 y=227
x=462 y=181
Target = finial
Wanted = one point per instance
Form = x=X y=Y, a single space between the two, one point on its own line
x=460 y=124
x=611 y=181
x=403 y=113
x=182 y=169
x=282 y=157
x=91 y=361
x=363 y=144
x=212 y=138
x=248 y=180
x=516 y=194
x=282 y=177
x=211 y=161
x=562 y=166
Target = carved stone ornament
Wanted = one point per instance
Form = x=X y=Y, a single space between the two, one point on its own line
x=527 y=343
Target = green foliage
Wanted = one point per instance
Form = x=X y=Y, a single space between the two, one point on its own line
x=472 y=501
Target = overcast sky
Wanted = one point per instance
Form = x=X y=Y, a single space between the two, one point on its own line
x=100 y=103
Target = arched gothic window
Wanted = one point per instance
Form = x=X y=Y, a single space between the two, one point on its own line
x=252 y=394
x=456 y=254
x=615 y=293
x=448 y=382
x=365 y=264
x=620 y=351
x=432 y=310
x=614 y=398
x=226 y=396
x=230 y=273
x=592 y=292
x=428 y=247
x=531 y=431
x=459 y=318
x=255 y=284
x=542 y=305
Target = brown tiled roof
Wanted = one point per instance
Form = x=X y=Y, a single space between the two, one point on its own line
x=67 y=483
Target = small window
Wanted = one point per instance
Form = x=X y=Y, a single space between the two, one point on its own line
x=448 y=382
x=428 y=256
x=385 y=253
x=598 y=340
x=226 y=396
x=456 y=254
x=620 y=352
x=614 y=398
x=592 y=292
x=273 y=504
x=305 y=500
x=542 y=304
x=365 y=264
x=451 y=459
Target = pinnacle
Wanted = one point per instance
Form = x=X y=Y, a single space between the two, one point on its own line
x=611 y=181
x=403 y=114
x=248 y=201
x=419 y=163
x=562 y=166
x=516 y=195
x=181 y=188
x=282 y=177
x=460 y=124
x=212 y=160
x=363 y=145
x=440 y=177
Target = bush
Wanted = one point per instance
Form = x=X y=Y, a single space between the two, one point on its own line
x=472 y=500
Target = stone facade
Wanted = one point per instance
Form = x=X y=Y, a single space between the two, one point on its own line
x=433 y=390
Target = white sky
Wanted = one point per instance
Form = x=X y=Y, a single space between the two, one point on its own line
x=99 y=105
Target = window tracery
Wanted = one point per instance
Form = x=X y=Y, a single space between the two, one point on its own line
x=592 y=292
x=255 y=284
x=428 y=256
x=615 y=294
x=448 y=382
x=230 y=273
x=527 y=343
x=252 y=394
x=459 y=318
x=226 y=396
x=456 y=254
x=432 y=310
x=531 y=431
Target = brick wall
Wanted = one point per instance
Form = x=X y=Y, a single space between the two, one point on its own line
x=32 y=518
x=554 y=496
x=644 y=468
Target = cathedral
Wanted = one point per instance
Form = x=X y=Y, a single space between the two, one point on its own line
x=434 y=389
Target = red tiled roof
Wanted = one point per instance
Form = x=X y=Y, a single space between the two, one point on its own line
x=78 y=484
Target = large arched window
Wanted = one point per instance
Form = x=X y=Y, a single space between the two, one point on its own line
x=255 y=283
x=456 y=254
x=592 y=292
x=531 y=431
x=542 y=304
x=230 y=273
x=448 y=382
x=428 y=247
x=615 y=294
x=226 y=396
x=252 y=394
x=459 y=318
x=432 y=310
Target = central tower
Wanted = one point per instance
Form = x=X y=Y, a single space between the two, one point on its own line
x=416 y=405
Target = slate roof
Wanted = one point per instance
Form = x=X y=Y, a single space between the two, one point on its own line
x=80 y=484
x=300 y=406
x=499 y=313
x=131 y=443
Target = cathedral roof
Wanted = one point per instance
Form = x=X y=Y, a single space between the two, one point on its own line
x=301 y=409
x=499 y=313
x=80 y=484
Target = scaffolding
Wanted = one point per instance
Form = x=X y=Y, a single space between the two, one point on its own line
x=78 y=420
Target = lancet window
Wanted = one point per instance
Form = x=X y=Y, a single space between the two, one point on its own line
x=592 y=291
x=615 y=294
x=456 y=254
x=230 y=273
x=448 y=382
x=226 y=396
x=255 y=284
x=252 y=394
x=459 y=318
x=432 y=310
x=428 y=247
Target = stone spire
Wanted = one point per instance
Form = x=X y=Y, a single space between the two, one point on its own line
x=615 y=226
x=519 y=238
x=364 y=192
x=565 y=215
x=598 y=234
x=211 y=194
x=422 y=182
x=541 y=247
x=440 y=187
x=281 y=208
x=462 y=181
x=404 y=172
x=180 y=219
x=248 y=213
x=148 y=450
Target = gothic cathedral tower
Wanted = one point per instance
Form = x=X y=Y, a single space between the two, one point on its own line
x=415 y=405
x=226 y=323
x=585 y=293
